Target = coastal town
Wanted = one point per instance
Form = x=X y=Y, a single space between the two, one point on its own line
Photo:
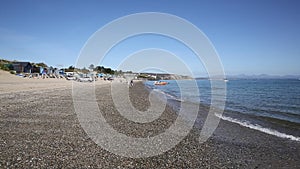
x=92 y=73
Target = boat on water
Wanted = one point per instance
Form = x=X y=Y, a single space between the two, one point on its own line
x=160 y=83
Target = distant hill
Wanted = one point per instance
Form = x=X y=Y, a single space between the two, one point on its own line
x=261 y=76
x=162 y=76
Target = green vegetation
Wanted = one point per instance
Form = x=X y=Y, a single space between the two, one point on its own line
x=143 y=76
x=102 y=69
x=6 y=65
x=148 y=77
x=70 y=69
x=40 y=64
x=98 y=69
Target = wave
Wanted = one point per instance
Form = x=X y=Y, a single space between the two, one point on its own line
x=260 y=128
x=169 y=96
x=236 y=104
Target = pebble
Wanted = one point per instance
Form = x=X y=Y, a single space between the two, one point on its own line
x=52 y=114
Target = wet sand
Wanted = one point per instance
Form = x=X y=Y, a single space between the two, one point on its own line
x=39 y=129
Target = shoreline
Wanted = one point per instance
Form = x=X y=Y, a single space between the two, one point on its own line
x=273 y=126
x=284 y=133
x=40 y=129
x=246 y=134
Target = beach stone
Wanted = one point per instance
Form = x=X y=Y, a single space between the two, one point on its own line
x=42 y=131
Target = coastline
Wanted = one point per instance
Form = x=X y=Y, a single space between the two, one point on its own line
x=39 y=128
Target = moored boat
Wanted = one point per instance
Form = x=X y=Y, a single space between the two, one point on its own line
x=160 y=83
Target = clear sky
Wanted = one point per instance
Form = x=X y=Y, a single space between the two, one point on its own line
x=250 y=36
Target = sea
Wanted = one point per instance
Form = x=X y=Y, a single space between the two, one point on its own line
x=271 y=106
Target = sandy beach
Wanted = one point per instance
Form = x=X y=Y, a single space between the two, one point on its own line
x=11 y=83
x=40 y=129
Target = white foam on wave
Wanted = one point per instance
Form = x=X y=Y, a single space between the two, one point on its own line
x=168 y=95
x=260 y=128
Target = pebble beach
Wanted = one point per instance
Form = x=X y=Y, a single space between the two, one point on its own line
x=40 y=129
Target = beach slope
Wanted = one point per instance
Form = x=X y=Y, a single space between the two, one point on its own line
x=39 y=128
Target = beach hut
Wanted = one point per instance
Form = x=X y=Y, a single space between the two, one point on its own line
x=22 y=67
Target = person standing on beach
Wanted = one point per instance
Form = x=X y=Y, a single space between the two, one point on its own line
x=131 y=83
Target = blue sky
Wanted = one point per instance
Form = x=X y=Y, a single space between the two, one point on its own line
x=251 y=37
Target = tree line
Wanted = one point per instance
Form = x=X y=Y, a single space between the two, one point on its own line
x=8 y=65
x=98 y=69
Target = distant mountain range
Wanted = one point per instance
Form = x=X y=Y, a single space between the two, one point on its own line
x=261 y=76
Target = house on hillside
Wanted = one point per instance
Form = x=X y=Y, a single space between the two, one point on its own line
x=22 y=67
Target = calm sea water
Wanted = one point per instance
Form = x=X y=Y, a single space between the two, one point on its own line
x=270 y=106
